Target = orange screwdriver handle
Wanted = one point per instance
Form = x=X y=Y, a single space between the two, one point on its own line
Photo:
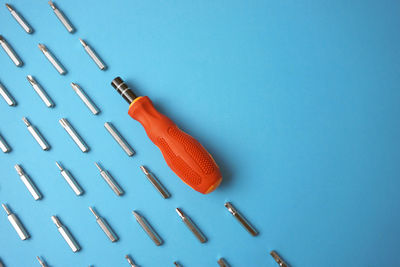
x=183 y=154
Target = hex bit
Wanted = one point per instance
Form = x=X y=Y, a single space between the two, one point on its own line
x=21 y=21
x=4 y=146
x=7 y=96
x=278 y=259
x=93 y=55
x=130 y=261
x=119 y=139
x=110 y=180
x=154 y=181
x=10 y=52
x=66 y=234
x=36 y=134
x=74 y=135
x=52 y=59
x=70 y=180
x=40 y=91
x=85 y=99
x=241 y=219
x=148 y=229
x=104 y=226
x=62 y=17
x=16 y=223
x=192 y=227
x=28 y=182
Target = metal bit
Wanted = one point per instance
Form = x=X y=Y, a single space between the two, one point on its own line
x=16 y=223
x=104 y=226
x=93 y=55
x=110 y=180
x=222 y=263
x=241 y=219
x=160 y=188
x=28 y=182
x=39 y=90
x=53 y=60
x=88 y=102
x=278 y=259
x=7 y=96
x=130 y=261
x=66 y=234
x=4 y=146
x=119 y=139
x=36 y=134
x=70 y=180
x=41 y=262
x=177 y=264
x=74 y=135
x=21 y=21
x=148 y=229
x=10 y=52
x=192 y=227
x=62 y=18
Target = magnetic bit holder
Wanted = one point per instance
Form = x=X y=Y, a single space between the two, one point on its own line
x=28 y=182
x=36 y=134
x=192 y=227
x=241 y=219
x=110 y=180
x=148 y=229
x=278 y=259
x=119 y=139
x=16 y=223
x=70 y=180
x=104 y=226
x=155 y=182
x=66 y=234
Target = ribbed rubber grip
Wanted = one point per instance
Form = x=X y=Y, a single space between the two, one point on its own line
x=184 y=155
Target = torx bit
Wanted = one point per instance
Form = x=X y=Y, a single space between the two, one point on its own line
x=66 y=234
x=222 y=263
x=119 y=139
x=74 y=135
x=192 y=227
x=110 y=180
x=278 y=259
x=21 y=21
x=10 y=52
x=53 y=60
x=148 y=229
x=83 y=96
x=93 y=55
x=36 y=134
x=70 y=180
x=16 y=223
x=241 y=219
x=154 y=181
x=4 y=146
x=7 y=96
x=28 y=183
x=62 y=18
x=41 y=262
x=130 y=261
x=40 y=91
x=104 y=226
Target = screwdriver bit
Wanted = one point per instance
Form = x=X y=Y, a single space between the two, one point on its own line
x=241 y=219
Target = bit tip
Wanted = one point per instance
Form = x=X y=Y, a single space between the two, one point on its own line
x=30 y=79
x=19 y=169
x=26 y=121
x=129 y=259
x=56 y=221
x=82 y=42
x=137 y=216
x=180 y=213
x=59 y=166
x=6 y=209
x=1 y=38
x=94 y=212
x=145 y=171
x=40 y=260
x=98 y=166
x=52 y=5
x=229 y=206
x=42 y=47
x=9 y=7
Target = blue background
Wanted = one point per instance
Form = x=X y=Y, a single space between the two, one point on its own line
x=298 y=101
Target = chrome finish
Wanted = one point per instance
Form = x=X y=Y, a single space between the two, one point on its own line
x=74 y=135
x=70 y=180
x=7 y=96
x=66 y=234
x=241 y=219
x=21 y=21
x=36 y=134
x=110 y=180
x=104 y=226
x=192 y=227
x=10 y=52
x=119 y=139
x=160 y=188
x=41 y=262
x=16 y=223
x=28 y=183
x=93 y=55
x=147 y=228
x=61 y=17
x=130 y=261
x=39 y=90
x=82 y=95
x=54 y=61
x=4 y=146
x=278 y=259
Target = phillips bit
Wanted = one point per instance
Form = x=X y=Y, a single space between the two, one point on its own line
x=39 y=90
x=16 y=223
x=28 y=183
x=222 y=263
x=93 y=55
x=53 y=60
x=4 y=146
x=74 y=135
x=36 y=134
x=83 y=96
x=241 y=219
x=110 y=180
x=278 y=259
x=62 y=18
x=192 y=227
x=148 y=229
x=21 y=21
x=41 y=262
x=66 y=234
x=70 y=180
x=7 y=96
x=130 y=261
x=160 y=188
x=119 y=139
x=10 y=52
x=104 y=226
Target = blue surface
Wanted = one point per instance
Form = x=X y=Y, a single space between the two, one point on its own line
x=297 y=101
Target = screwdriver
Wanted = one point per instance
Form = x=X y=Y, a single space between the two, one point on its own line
x=186 y=157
